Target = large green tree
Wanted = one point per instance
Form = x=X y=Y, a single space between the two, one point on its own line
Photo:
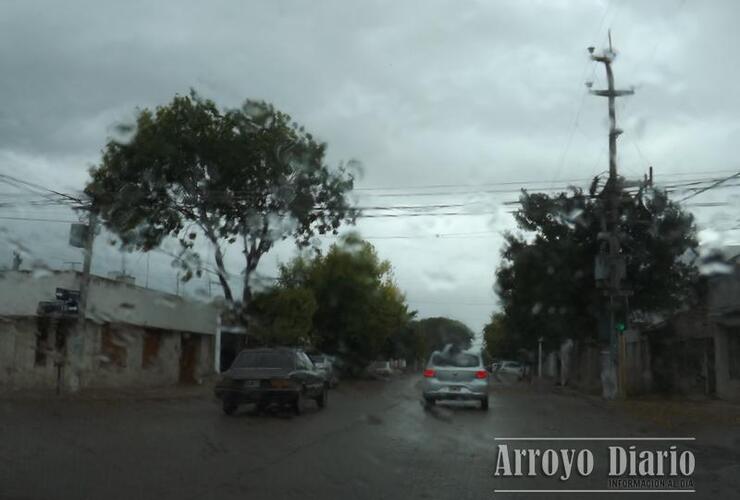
x=359 y=306
x=248 y=176
x=546 y=280
x=282 y=316
x=498 y=341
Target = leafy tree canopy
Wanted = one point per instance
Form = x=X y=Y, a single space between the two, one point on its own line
x=250 y=176
x=546 y=279
x=282 y=316
x=359 y=307
x=499 y=343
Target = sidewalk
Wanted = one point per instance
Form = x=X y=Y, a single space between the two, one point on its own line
x=173 y=392
x=714 y=423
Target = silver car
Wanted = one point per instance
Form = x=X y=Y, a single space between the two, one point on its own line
x=456 y=375
x=512 y=368
x=324 y=365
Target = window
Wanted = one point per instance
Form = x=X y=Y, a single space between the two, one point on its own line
x=112 y=348
x=304 y=362
x=317 y=358
x=42 y=342
x=459 y=360
x=150 y=348
x=264 y=359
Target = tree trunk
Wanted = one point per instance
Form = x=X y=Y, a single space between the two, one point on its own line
x=222 y=274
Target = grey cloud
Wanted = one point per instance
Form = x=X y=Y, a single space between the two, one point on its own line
x=433 y=92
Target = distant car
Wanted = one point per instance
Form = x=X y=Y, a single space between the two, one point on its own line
x=271 y=376
x=380 y=369
x=456 y=376
x=512 y=368
x=325 y=365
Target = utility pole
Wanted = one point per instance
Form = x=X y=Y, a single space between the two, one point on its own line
x=86 y=265
x=610 y=222
x=78 y=338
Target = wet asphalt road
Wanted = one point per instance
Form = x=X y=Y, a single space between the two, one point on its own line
x=374 y=441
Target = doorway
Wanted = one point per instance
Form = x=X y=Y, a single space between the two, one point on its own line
x=188 y=357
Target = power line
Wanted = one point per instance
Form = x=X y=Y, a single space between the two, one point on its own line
x=14 y=181
x=476 y=234
x=716 y=184
x=32 y=219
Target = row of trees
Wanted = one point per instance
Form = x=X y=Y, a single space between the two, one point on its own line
x=346 y=302
x=249 y=177
x=343 y=302
x=546 y=282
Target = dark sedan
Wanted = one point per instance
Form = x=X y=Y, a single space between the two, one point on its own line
x=272 y=376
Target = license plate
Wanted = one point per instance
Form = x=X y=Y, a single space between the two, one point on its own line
x=252 y=383
x=455 y=389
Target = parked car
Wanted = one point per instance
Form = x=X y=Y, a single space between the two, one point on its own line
x=456 y=376
x=380 y=369
x=495 y=366
x=272 y=376
x=512 y=368
x=325 y=365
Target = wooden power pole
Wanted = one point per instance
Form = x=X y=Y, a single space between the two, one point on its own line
x=612 y=194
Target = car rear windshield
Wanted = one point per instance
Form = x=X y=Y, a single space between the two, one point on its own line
x=265 y=360
x=459 y=360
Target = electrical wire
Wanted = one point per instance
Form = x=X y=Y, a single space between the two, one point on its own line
x=713 y=186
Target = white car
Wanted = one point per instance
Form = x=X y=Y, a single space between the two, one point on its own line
x=511 y=368
x=380 y=369
x=324 y=365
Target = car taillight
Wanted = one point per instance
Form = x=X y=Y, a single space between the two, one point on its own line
x=429 y=373
x=481 y=374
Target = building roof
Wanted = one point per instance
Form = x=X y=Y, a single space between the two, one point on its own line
x=109 y=301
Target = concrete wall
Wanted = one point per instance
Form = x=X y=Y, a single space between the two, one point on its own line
x=18 y=356
x=586 y=368
x=109 y=301
x=107 y=355
x=727 y=387
x=637 y=370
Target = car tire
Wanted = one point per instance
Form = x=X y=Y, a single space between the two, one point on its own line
x=229 y=406
x=484 y=404
x=430 y=401
x=323 y=399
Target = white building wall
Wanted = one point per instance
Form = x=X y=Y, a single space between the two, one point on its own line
x=129 y=312
x=109 y=301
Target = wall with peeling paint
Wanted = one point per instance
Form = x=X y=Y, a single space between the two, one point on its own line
x=112 y=350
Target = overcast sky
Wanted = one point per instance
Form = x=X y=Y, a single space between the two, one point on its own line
x=464 y=95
